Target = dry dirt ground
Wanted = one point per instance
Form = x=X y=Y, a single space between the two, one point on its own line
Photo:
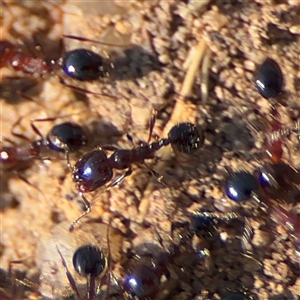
x=162 y=41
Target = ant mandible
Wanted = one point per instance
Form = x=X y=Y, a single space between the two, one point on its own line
x=94 y=169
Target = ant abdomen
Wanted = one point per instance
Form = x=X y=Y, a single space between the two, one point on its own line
x=89 y=260
x=67 y=137
x=143 y=280
x=269 y=79
x=83 y=65
x=240 y=186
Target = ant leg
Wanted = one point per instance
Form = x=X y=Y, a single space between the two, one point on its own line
x=119 y=179
x=50 y=119
x=247 y=236
x=109 y=259
x=19 y=135
x=67 y=155
x=8 y=140
x=130 y=139
x=74 y=37
x=69 y=275
x=24 y=282
x=84 y=91
x=87 y=211
x=159 y=177
x=108 y=148
x=151 y=125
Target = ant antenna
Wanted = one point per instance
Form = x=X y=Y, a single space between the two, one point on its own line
x=68 y=274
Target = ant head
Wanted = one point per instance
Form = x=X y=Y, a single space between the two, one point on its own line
x=89 y=260
x=186 y=137
x=66 y=137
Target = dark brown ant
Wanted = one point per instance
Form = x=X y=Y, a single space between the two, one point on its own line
x=78 y=265
x=88 y=261
x=243 y=186
x=66 y=137
x=143 y=278
x=148 y=273
x=94 y=169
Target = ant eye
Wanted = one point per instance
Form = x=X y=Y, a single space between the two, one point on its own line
x=269 y=79
x=83 y=65
x=89 y=260
x=67 y=136
x=240 y=186
x=185 y=137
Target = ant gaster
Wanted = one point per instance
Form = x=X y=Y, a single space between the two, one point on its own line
x=269 y=79
x=66 y=137
x=94 y=169
x=269 y=82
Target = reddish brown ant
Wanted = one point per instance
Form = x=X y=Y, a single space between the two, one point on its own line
x=13 y=58
x=66 y=137
x=94 y=169
x=79 y=64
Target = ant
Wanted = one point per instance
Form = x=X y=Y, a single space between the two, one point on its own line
x=66 y=137
x=143 y=276
x=79 y=64
x=94 y=169
x=243 y=186
x=79 y=264
x=149 y=274
x=277 y=178
x=90 y=262
x=269 y=82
